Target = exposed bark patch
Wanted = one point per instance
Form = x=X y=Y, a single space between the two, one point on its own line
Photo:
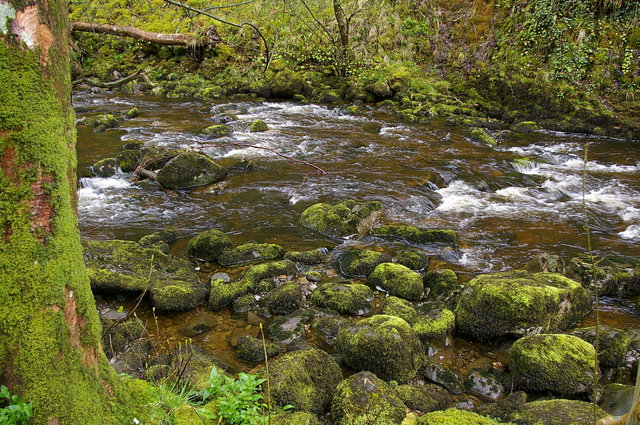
x=41 y=208
x=53 y=421
x=8 y=232
x=8 y=162
x=76 y=323
x=28 y=28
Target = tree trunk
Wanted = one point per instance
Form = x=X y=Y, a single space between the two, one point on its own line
x=186 y=40
x=50 y=333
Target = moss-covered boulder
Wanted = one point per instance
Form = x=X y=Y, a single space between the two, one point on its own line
x=273 y=269
x=258 y=126
x=434 y=323
x=519 y=303
x=358 y=262
x=129 y=159
x=384 y=345
x=250 y=253
x=330 y=326
x=483 y=136
x=216 y=131
x=413 y=259
x=244 y=303
x=525 y=127
x=557 y=412
x=417 y=235
x=342 y=219
x=346 y=298
x=132 y=113
x=394 y=306
x=296 y=418
x=125 y=266
x=443 y=376
x=560 y=363
x=398 y=280
x=423 y=397
x=284 y=299
x=617 y=276
x=455 y=417
x=224 y=293
x=613 y=343
x=365 y=398
x=190 y=169
x=159 y=240
x=311 y=257
x=442 y=284
x=251 y=348
x=105 y=167
x=305 y=379
x=102 y=122
x=208 y=245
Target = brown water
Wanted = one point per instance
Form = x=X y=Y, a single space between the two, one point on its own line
x=426 y=175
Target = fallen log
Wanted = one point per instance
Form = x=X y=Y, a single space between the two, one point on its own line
x=186 y=40
x=110 y=84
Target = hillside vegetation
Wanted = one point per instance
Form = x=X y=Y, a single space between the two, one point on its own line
x=570 y=65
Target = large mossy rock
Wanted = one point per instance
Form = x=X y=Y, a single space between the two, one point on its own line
x=311 y=257
x=423 y=397
x=123 y=266
x=398 y=307
x=208 y=245
x=557 y=412
x=417 y=235
x=188 y=170
x=414 y=259
x=443 y=285
x=250 y=253
x=224 y=293
x=564 y=364
x=269 y=270
x=398 y=280
x=305 y=379
x=613 y=343
x=363 y=398
x=434 y=323
x=455 y=417
x=252 y=349
x=345 y=298
x=340 y=220
x=129 y=159
x=284 y=299
x=358 y=262
x=519 y=303
x=384 y=345
x=617 y=276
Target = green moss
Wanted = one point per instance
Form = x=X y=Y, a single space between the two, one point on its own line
x=394 y=306
x=305 y=379
x=435 y=325
x=413 y=259
x=175 y=295
x=329 y=326
x=385 y=345
x=217 y=130
x=129 y=159
x=417 y=235
x=163 y=236
x=208 y=245
x=289 y=328
x=398 y=280
x=455 y=417
x=557 y=412
x=251 y=348
x=297 y=418
x=525 y=127
x=519 y=303
x=314 y=256
x=250 y=253
x=268 y=270
x=245 y=303
x=103 y=122
x=132 y=113
x=365 y=398
x=105 y=167
x=613 y=344
x=258 y=126
x=481 y=135
x=339 y=220
x=284 y=299
x=560 y=363
x=188 y=170
x=359 y=262
x=443 y=283
x=222 y=294
x=423 y=398
x=347 y=298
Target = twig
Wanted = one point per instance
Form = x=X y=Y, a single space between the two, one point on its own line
x=111 y=84
x=308 y=164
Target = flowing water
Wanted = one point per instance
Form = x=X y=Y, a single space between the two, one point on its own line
x=510 y=203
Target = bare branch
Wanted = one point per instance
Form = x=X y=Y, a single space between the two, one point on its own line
x=126 y=31
x=111 y=84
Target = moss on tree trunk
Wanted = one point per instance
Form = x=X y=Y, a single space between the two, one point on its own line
x=50 y=333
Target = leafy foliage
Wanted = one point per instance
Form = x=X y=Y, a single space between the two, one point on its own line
x=15 y=411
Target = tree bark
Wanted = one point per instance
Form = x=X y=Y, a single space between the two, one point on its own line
x=125 y=31
x=50 y=333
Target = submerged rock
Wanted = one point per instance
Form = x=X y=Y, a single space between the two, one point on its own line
x=340 y=220
x=105 y=167
x=613 y=344
x=520 y=303
x=385 y=345
x=481 y=135
x=250 y=253
x=365 y=398
x=305 y=379
x=398 y=280
x=208 y=245
x=258 y=126
x=188 y=170
x=358 y=262
x=560 y=363
x=345 y=298
x=124 y=266
x=417 y=235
